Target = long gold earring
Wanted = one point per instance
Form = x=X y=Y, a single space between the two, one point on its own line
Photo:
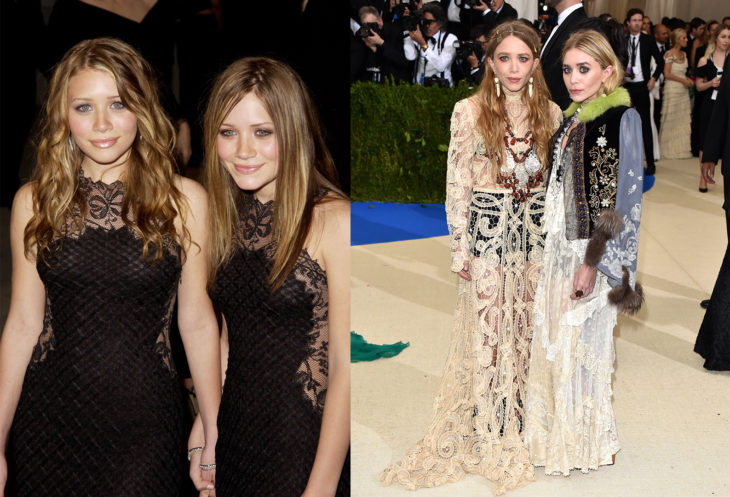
x=70 y=143
x=496 y=85
x=529 y=87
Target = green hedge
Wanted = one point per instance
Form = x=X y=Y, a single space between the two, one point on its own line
x=399 y=136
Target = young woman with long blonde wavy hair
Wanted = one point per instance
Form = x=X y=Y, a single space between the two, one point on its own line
x=279 y=254
x=494 y=207
x=104 y=237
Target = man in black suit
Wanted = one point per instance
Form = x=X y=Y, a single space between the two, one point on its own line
x=661 y=35
x=381 y=49
x=487 y=12
x=640 y=80
x=570 y=13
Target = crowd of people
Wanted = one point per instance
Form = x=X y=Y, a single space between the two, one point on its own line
x=673 y=67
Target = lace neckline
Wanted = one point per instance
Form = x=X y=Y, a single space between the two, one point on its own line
x=117 y=184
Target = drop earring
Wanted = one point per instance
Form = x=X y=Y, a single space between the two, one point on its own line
x=529 y=87
x=70 y=143
x=497 y=85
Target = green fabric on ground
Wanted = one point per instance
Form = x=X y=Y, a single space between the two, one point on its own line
x=361 y=350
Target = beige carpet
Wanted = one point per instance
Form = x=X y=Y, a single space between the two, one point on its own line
x=673 y=417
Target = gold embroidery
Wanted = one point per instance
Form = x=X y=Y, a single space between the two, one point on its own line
x=602 y=177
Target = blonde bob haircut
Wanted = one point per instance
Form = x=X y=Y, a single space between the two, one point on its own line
x=306 y=173
x=490 y=120
x=151 y=202
x=596 y=45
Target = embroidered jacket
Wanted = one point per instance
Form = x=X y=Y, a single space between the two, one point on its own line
x=606 y=172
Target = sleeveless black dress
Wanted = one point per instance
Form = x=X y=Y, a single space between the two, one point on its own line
x=100 y=411
x=276 y=381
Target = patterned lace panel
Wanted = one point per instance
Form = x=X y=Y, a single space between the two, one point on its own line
x=469 y=169
x=569 y=417
x=103 y=212
x=478 y=414
x=257 y=234
x=46 y=340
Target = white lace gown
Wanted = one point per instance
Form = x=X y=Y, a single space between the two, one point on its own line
x=477 y=421
x=570 y=419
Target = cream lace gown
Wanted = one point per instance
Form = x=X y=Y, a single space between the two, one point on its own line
x=570 y=420
x=674 y=134
x=477 y=420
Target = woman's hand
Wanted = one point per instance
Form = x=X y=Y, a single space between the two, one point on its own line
x=583 y=282
x=464 y=273
x=707 y=170
x=715 y=82
x=688 y=82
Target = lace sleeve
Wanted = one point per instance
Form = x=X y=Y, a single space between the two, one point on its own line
x=459 y=181
x=623 y=250
x=556 y=117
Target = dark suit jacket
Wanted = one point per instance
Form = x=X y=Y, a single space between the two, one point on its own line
x=506 y=14
x=717 y=139
x=472 y=17
x=647 y=50
x=551 y=60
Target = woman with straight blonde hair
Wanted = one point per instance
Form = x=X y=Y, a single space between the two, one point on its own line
x=494 y=207
x=279 y=259
x=592 y=214
x=104 y=237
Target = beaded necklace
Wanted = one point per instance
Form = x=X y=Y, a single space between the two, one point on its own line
x=510 y=180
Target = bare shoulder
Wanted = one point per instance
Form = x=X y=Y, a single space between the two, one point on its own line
x=191 y=190
x=23 y=203
x=332 y=214
x=702 y=62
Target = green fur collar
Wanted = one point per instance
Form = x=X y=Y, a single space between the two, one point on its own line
x=599 y=105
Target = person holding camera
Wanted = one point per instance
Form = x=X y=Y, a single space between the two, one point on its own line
x=380 y=47
x=430 y=46
x=470 y=57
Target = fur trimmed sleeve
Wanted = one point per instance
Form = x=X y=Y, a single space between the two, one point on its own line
x=616 y=246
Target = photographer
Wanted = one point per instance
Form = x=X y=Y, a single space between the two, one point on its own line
x=381 y=47
x=469 y=63
x=487 y=12
x=431 y=47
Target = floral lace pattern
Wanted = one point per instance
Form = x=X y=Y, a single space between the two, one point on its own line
x=570 y=421
x=478 y=414
x=256 y=234
x=103 y=213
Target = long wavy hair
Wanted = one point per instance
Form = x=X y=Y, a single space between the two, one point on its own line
x=151 y=202
x=305 y=165
x=490 y=122
x=597 y=46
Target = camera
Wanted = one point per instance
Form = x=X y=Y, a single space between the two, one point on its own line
x=436 y=81
x=464 y=49
x=472 y=3
x=415 y=20
x=399 y=10
x=367 y=29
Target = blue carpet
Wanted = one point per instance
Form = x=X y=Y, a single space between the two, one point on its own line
x=379 y=222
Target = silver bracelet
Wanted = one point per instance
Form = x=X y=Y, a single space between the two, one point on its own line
x=194 y=449
x=207 y=467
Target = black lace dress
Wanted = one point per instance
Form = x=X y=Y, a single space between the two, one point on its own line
x=276 y=381
x=100 y=410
